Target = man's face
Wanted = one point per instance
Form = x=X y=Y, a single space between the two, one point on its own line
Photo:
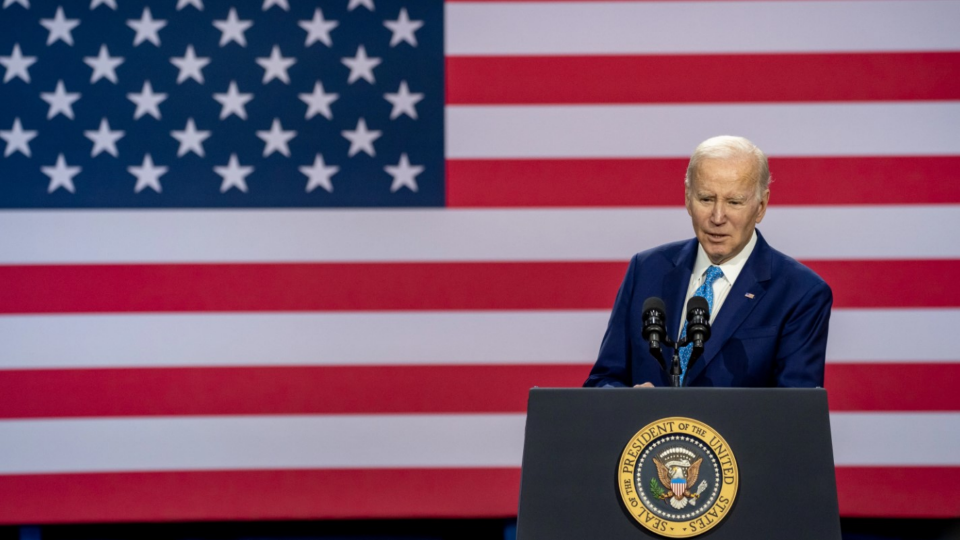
x=723 y=202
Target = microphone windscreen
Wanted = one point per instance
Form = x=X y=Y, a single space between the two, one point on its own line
x=654 y=303
x=697 y=302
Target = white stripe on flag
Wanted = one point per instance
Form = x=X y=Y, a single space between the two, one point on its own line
x=65 y=237
x=560 y=28
x=402 y=338
x=395 y=338
x=877 y=335
x=308 y=441
x=621 y=131
x=260 y=442
x=895 y=439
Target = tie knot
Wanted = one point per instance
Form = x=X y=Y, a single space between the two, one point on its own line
x=713 y=273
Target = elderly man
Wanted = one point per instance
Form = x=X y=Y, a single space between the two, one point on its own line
x=769 y=314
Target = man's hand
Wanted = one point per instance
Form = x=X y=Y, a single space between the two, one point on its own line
x=644 y=385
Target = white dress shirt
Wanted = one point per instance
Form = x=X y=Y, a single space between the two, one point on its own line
x=722 y=285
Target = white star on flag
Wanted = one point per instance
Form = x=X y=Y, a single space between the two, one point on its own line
x=195 y=3
x=403 y=29
x=361 y=139
x=148 y=175
x=404 y=175
x=319 y=102
x=18 y=139
x=60 y=27
x=24 y=3
x=104 y=65
x=233 y=102
x=318 y=174
x=355 y=3
x=276 y=139
x=276 y=66
x=232 y=29
x=282 y=4
x=403 y=102
x=234 y=176
x=112 y=4
x=61 y=175
x=190 y=65
x=146 y=28
x=104 y=140
x=318 y=29
x=147 y=101
x=190 y=139
x=60 y=101
x=361 y=66
x=17 y=64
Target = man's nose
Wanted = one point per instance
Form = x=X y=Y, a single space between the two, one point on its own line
x=718 y=215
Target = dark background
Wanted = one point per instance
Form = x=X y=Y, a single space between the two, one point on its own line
x=465 y=529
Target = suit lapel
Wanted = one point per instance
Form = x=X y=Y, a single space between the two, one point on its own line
x=675 y=284
x=752 y=280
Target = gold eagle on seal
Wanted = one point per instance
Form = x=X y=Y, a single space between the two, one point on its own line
x=672 y=477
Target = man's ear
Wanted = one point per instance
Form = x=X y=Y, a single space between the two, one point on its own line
x=764 y=200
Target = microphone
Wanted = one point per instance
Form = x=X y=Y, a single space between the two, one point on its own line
x=654 y=329
x=654 y=312
x=698 y=326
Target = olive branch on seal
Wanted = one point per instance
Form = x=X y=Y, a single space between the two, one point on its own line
x=656 y=489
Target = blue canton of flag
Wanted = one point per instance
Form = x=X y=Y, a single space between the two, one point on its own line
x=212 y=103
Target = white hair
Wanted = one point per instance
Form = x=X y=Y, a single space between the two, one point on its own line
x=730 y=147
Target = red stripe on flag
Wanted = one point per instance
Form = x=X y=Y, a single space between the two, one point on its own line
x=309 y=287
x=658 y=182
x=703 y=78
x=897 y=492
x=578 y=1
x=880 y=387
x=425 y=286
x=277 y=390
x=606 y=1
x=259 y=495
x=60 y=393
x=880 y=284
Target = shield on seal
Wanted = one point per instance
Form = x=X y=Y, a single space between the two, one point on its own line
x=678 y=485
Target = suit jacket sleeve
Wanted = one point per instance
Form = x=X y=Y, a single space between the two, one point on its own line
x=802 y=350
x=613 y=363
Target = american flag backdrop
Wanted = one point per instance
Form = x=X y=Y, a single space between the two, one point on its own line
x=303 y=259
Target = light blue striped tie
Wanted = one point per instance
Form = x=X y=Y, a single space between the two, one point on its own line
x=705 y=290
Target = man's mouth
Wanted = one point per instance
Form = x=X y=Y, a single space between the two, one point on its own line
x=716 y=237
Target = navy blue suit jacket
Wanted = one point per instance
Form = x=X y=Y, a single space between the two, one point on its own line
x=777 y=337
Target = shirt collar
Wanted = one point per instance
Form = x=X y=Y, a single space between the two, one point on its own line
x=731 y=269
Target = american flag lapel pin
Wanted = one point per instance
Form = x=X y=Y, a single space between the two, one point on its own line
x=749 y=295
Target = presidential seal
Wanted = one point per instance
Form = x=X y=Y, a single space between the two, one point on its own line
x=678 y=477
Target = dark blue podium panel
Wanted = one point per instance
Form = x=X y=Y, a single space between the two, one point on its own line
x=575 y=453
